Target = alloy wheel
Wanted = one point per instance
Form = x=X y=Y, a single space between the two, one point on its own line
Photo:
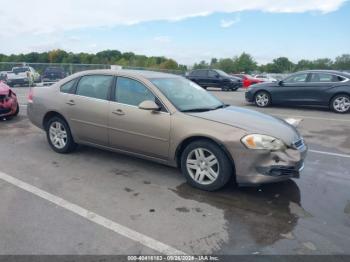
x=262 y=99
x=203 y=166
x=58 y=135
x=341 y=104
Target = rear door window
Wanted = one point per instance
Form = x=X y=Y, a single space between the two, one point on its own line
x=95 y=86
x=325 y=78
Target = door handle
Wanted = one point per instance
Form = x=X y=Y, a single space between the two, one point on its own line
x=71 y=103
x=118 y=112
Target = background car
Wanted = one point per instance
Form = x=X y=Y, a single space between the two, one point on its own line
x=215 y=78
x=8 y=102
x=23 y=75
x=3 y=76
x=312 y=87
x=53 y=74
x=266 y=78
x=248 y=80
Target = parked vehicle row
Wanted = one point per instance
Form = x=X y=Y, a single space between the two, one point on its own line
x=28 y=76
x=248 y=80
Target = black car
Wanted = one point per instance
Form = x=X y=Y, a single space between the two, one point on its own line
x=312 y=87
x=215 y=78
x=53 y=74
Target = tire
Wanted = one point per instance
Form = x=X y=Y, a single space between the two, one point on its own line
x=197 y=173
x=225 y=88
x=61 y=132
x=340 y=104
x=17 y=111
x=262 y=99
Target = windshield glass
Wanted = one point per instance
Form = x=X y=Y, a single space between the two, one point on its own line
x=186 y=95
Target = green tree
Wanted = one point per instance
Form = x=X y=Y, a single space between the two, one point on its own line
x=342 y=62
x=244 y=63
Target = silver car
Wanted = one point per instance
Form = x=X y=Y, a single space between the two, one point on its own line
x=170 y=120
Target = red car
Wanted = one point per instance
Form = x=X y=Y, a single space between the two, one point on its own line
x=8 y=102
x=248 y=80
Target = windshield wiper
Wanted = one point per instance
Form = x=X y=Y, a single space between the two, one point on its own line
x=204 y=109
x=220 y=106
x=197 y=110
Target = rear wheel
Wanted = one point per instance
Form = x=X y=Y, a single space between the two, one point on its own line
x=340 y=104
x=262 y=99
x=59 y=135
x=205 y=165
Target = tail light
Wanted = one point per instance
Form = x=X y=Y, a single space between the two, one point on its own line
x=31 y=95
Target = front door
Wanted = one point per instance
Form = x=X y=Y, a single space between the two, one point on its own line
x=292 y=91
x=136 y=130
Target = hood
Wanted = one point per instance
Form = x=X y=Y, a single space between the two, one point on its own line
x=252 y=122
x=4 y=89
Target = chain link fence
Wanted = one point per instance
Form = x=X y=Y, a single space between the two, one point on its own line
x=14 y=73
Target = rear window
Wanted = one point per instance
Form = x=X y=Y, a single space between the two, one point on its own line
x=199 y=73
x=20 y=70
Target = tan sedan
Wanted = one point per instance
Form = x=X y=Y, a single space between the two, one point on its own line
x=171 y=120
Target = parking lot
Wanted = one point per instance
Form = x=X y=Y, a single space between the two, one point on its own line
x=124 y=205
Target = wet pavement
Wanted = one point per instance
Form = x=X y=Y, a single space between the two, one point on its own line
x=310 y=215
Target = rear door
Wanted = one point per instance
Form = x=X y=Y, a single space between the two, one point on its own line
x=292 y=91
x=318 y=85
x=87 y=109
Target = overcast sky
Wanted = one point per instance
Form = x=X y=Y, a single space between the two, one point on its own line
x=186 y=30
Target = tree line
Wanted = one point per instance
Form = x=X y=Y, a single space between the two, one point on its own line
x=238 y=64
x=247 y=64
x=112 y=57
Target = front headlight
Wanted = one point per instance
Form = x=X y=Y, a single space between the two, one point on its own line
x=256 y=141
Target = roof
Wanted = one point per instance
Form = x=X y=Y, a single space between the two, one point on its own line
x=325 y=71
x=136 y=73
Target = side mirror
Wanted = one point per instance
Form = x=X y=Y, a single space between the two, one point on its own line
x=217 y=76
x=280 y=83
x=149 y=105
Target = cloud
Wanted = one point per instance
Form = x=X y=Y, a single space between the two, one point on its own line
x=40 y=17
x=228 y=23
x=162 y=39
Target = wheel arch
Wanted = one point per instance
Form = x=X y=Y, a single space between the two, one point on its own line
x=336 y=94
x=181 y=147
x=50 y=115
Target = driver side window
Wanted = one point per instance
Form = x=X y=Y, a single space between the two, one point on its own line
x=132 y=92
x=299 y=78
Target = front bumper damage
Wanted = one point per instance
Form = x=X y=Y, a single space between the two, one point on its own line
x=263 y=166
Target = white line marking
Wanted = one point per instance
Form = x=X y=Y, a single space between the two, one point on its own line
x=329 y=153
x=311 y=117
x=23 y=105
x=93 y=217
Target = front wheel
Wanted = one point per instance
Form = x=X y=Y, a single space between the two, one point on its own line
x=205 y=165
x=340 y=104
x=59 y=136
x=262 y=99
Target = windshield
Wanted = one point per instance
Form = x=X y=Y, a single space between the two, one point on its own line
x=186 y=95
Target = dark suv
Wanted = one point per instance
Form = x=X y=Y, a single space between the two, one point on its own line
x=215 y=78
x=53 y=74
